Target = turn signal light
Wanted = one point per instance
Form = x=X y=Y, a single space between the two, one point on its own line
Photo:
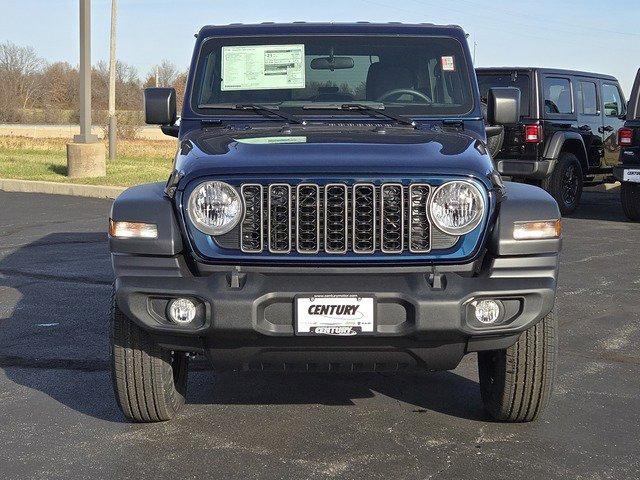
x=542 y=230
x=625 y=136
x=533 y=133
x=132 y=230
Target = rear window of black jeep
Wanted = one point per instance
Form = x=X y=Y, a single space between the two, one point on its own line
x=515 y=79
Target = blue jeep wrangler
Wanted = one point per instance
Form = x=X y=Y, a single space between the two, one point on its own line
x=333 y=207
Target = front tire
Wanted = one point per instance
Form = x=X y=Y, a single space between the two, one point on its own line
x=630 y=197
x=516 y=383
x=565 y=183
x=149 y=382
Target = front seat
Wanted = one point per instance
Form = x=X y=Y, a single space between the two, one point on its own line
x=564 y=101
x=385 y=76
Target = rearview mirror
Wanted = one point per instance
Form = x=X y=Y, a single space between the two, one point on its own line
x=332 y=63
x=503 y=106
x=160 y=106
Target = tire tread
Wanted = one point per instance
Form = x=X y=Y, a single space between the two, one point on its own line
x=149 y=382
x=516 y=383
x=630 y=198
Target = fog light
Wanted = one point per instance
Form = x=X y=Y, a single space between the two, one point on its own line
x=182 y=311
x=487 y=311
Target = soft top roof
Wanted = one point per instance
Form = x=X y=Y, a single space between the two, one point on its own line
x=553 y=71
x=304 y=28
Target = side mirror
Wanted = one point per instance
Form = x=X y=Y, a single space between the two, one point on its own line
x=503 y=106
x=160 y=106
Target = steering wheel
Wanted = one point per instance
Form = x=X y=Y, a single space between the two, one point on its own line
x=404 y=91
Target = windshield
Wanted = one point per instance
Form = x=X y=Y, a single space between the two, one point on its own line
x=404 y=75
x=511 y=79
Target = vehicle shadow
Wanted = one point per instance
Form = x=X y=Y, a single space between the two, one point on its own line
x=54 y=299
x=599 y=205
x=443 y=392
x=57 y=169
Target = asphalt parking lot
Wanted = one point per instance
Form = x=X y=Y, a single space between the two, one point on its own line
x=58 y=417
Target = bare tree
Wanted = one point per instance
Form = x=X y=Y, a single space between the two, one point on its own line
x=20 y=76
x=59 y=85
x=32 y=90
x=167 y=73
x=180 y=84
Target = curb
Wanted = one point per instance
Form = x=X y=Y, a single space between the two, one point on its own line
x=53 y=188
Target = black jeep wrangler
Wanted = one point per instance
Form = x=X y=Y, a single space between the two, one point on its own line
x=628 y=172
x=333 y=207
x=567 y=134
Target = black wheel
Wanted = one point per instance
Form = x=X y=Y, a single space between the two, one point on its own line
x=565 y=183
x=516 y=383
x=149 y=382
x=630 y=197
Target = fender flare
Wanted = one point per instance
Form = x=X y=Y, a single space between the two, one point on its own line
x=523 y=203
x=147 y=204
x=554 y=146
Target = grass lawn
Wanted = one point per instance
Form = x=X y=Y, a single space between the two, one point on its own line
x=138 y=161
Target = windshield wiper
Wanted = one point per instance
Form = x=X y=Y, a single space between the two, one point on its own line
x=372 y=110
x=251 y=106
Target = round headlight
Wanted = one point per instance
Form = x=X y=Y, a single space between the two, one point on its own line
x=215 y=208
x=457 y=207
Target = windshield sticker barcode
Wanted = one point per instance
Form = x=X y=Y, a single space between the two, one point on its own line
x=448 y=65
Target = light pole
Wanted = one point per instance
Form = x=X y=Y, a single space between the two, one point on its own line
x=85 y=155
x=475 y=46
x=85 y=74
x=112 y=82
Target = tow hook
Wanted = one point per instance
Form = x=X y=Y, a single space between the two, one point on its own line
x=436 y=280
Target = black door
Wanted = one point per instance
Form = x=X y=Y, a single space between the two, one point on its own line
x=614 y=110
x=590 y=118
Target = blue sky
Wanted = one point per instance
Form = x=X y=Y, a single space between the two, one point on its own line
x=594 y=35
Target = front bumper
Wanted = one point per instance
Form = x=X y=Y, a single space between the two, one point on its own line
x=423 y=316
x=534 y=169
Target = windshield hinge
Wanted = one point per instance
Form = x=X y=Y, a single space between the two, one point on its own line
x=209 y=122
x=457 y=124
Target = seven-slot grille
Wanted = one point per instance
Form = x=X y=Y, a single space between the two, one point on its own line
x=336 y=218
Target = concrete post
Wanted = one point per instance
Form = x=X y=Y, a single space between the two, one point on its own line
x=86 y=154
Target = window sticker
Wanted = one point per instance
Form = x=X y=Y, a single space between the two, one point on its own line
x=263 y=67
x=448 y=65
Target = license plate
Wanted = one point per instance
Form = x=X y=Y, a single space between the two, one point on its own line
x=632 y=175
x=335 y=315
